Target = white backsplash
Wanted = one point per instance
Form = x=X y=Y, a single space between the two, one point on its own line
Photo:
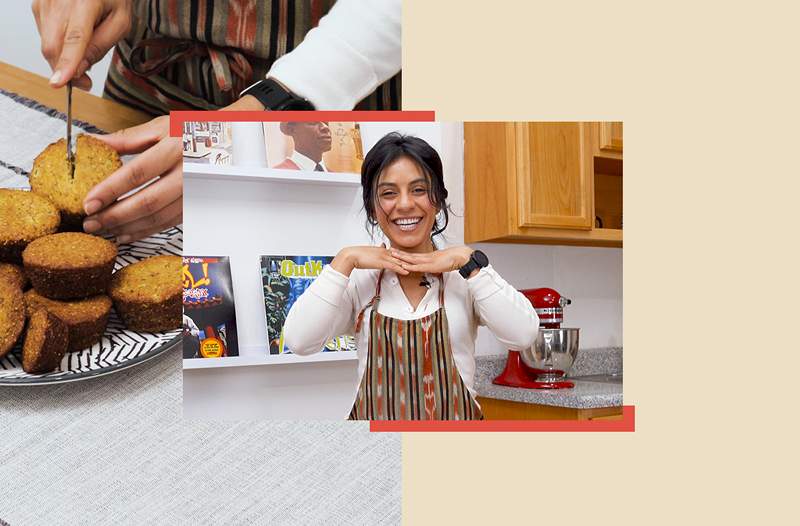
x=591 y=277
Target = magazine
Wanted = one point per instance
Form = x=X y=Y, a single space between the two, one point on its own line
x=284 y=279
x=209 y=312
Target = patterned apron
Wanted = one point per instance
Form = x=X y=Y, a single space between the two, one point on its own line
x=200 y=54
x=410 y=372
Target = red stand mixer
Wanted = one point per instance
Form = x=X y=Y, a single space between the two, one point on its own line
x=544 y=365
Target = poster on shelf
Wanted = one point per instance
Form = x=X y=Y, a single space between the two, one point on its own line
x=209 y=312
x=284 y=279
x=333 y=147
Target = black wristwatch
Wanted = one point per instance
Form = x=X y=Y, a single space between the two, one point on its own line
x=477 y=260
x=275 y=97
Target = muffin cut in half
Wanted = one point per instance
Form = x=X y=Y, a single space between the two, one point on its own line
x=147 y=294
x=86 y=319
x=12 y=316
x=50 y=176
x=13 y=274
x=70 y=265
x=45 y=344
x=24 y=216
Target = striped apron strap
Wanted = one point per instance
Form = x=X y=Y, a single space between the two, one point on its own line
x=374 y=301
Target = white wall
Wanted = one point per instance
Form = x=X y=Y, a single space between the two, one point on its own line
x=247 y=219
x=20 y=44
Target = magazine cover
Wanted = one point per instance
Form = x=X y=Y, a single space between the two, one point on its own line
x=314 y=146
x=284 y=279
x=209 y=313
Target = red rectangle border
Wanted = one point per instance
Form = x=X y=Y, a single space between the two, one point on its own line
x=626 y=425
x=177 y=118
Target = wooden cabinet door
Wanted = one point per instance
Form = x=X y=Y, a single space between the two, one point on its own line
x=609 y=139
x=532 y=182
x=554 y=175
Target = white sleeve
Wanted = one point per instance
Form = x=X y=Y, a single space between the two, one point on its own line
x=354 y=49
x=503 y=309
x=324 y=310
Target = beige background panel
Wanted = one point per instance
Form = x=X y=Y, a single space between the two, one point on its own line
x=708 y=93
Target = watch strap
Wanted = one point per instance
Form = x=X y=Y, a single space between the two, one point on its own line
x=275 y=97
x=481 y=261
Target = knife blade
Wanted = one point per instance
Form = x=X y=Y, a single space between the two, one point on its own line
x=70 y=151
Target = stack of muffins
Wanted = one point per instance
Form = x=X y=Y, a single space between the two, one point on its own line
x=71 y=273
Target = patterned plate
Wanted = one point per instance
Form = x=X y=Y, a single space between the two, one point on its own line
x=119 y=348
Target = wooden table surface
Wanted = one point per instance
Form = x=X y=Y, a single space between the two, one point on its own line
x=105 y=114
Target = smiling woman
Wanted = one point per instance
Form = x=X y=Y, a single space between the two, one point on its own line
x=414 y=308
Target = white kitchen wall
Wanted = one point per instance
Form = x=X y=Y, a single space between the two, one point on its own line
x=247 y=219
x=21 y=45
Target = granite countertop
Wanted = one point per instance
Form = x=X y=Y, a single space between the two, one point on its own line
x=585 y=395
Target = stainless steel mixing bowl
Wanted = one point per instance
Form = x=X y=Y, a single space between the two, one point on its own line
x=554 y=350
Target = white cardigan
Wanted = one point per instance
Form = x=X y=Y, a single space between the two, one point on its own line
x=354 y=49
x=330 y=305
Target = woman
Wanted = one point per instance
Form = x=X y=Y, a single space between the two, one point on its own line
x=414 y=309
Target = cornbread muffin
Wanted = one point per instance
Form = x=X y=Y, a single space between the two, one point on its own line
x=45 y=343
x=147 y=294
x=69 y=265
x=86 y=320
x=24 y=216
x=14 y=275
x=12 y=316
x=50 y=177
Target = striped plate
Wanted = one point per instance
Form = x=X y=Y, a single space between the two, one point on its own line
x=119 y=348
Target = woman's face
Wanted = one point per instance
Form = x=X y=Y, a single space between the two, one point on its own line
x=403 y=209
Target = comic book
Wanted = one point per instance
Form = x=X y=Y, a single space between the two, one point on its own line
x=209 y=312
x=284 y=279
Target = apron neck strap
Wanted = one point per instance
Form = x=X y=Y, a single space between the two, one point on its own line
x=378 y=285
x=372 y=303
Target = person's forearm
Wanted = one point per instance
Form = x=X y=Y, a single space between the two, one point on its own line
x=355 y=48
x=343 y=262
x=504 y=310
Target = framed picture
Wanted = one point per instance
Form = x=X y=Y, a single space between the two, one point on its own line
x=314 y=146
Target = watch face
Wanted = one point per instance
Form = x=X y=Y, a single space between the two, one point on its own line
x=480 y=258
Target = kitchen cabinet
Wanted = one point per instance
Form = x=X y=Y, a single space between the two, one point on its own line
x=494 y=409
x=529 y=182
x=609 y=140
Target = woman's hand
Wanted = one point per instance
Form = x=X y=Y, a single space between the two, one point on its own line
x=78 y=33
x=154 y=207
x=366 y=257
x=436 y=262
x=150 y=209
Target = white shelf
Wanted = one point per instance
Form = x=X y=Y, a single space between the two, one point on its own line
x=262 y=173
x=273 y=359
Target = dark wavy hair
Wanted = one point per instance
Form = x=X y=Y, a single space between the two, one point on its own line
x=390 y=148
